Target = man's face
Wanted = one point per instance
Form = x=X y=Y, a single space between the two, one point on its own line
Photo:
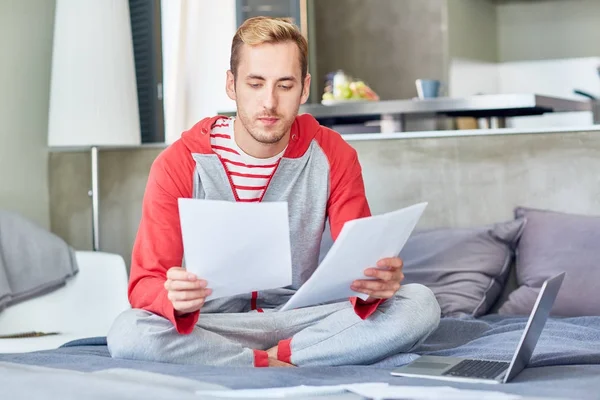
x=268 y=90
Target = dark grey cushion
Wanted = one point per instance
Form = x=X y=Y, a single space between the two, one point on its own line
x=465 y=268
x=33 y=261
x=551 y=243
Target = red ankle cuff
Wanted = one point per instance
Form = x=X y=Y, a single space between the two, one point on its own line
x=261 y=358
x=284 y=350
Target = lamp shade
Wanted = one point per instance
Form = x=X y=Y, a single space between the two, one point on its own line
x=93 y=93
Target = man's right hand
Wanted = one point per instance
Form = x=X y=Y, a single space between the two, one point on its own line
x=186 y=292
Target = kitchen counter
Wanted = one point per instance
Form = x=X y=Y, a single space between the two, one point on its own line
x=490 y=110
x=495 y=105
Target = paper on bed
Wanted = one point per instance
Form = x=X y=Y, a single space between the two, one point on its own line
x=360 y=244
x=282 y=392
x=389 y=392
x=374 y=390
x=236 y=247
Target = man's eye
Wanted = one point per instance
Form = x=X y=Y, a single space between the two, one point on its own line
x=284 y=87
x=254 y=85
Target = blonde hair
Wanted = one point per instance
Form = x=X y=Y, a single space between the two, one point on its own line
x=259 y=30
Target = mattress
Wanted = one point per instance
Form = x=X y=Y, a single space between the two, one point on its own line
x=565 y=364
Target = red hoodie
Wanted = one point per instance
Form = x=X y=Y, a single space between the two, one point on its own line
x=188 y=168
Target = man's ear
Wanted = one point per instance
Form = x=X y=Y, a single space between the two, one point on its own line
x=305 y=89
x=230 y=85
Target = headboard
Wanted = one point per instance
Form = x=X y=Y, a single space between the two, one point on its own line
x=476 y=180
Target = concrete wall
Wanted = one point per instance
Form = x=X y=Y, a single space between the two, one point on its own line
x=479 y=180
x=387 y=43
x=472 y=30
x=466 y=180
x=123 y=176
x=25 y=50
x=520 y=30
x=548 y=29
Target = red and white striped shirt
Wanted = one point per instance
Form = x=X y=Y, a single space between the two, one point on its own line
x=249 y=175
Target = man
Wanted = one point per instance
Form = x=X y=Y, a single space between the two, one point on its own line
x=266 y=153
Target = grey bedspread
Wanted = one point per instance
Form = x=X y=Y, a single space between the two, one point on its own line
x=564 y=341
x=566 y=362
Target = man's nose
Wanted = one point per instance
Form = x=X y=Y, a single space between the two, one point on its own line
x=270 y=100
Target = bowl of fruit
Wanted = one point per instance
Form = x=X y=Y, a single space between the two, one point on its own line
x=341 y=88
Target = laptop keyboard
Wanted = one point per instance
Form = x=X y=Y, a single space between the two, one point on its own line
x=477 y=369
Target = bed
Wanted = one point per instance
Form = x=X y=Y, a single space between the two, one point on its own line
x=566 y=364
x=484 y=279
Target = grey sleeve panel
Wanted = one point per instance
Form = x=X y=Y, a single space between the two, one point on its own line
x=210 y=179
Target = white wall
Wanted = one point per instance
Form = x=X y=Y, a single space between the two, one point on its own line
x=468 y=77
x=25 y=54
x=552 y=78
x=557 y=78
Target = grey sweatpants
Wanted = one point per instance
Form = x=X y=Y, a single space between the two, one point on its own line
x=330 y=334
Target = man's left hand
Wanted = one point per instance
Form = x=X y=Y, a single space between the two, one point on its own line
x=385 y=279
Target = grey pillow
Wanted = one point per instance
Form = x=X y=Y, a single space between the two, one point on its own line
x=551 y=243
x=465 y=268
x=33 y=261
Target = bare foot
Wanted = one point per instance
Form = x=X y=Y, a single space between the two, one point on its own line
x=272 y=352
x=273 y=362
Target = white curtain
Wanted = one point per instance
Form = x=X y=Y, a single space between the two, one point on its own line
x=196 y=45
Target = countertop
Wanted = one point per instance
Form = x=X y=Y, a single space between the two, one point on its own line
x=494 y=105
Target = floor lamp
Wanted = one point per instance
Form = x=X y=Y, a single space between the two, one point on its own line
x=93 y=94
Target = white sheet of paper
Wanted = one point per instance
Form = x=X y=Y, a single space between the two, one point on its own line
x=360 y=244
x=236 y=247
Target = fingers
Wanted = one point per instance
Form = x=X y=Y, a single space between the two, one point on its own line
x=374 y=286
x=392 y=262
x=387 y=294
x=385 y=275
x=376 y=289
x=386 y=279
x=185 y=285
x=188 y=295
x=385 y=282
x=388 y=269
x=180 y=274
x=190 y=306
x=186 y=292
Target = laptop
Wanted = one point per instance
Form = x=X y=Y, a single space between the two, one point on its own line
x=490 y=371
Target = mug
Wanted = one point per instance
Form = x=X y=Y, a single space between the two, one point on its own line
x=428 y=88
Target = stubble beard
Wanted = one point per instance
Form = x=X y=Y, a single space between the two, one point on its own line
x=264 y=136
